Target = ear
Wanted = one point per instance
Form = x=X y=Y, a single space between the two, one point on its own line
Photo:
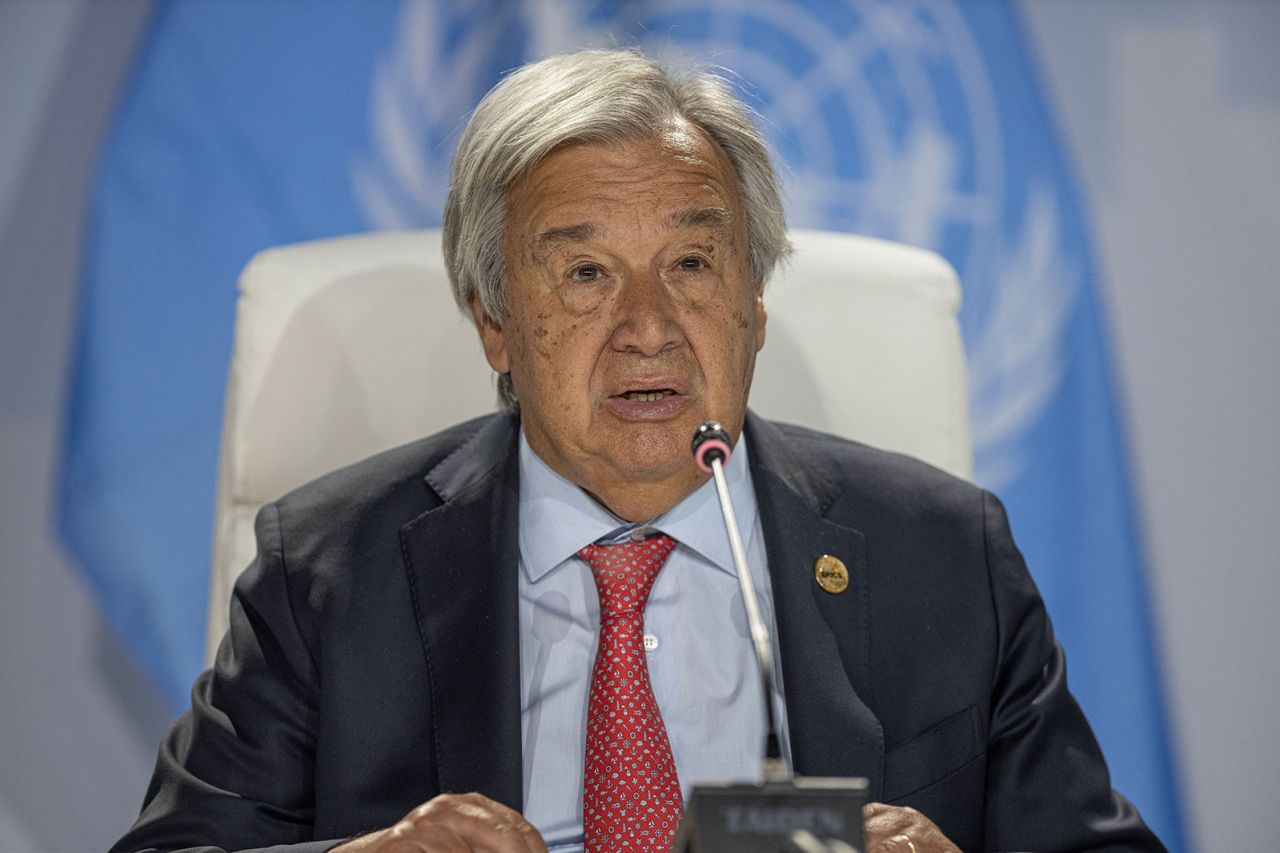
x=492 y=339
x=761 y=316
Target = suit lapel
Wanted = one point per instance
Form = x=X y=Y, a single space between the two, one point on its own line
x=463 y=566
x=462 y=558
x=822 y=637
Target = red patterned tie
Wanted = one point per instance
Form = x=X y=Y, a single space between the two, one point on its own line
x=631 y=796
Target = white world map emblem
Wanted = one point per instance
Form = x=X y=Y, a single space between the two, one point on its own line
x=882 y=115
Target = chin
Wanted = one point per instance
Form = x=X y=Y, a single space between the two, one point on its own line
x=652 y=455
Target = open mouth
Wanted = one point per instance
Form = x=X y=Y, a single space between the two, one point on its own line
x=648 y=396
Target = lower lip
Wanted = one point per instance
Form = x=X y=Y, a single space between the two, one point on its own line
x=648 y=410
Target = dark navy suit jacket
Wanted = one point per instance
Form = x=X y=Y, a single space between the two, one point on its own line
x=373 y=658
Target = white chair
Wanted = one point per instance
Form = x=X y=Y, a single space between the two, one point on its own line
x=348 y=346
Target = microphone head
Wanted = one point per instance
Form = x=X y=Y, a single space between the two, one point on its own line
x=710 y=442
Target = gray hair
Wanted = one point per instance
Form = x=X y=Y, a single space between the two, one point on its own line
x=593 y=96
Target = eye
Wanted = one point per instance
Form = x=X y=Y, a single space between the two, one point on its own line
x=586 y=272
x=692 y=262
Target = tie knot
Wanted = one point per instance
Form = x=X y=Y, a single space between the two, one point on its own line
x=625 y=572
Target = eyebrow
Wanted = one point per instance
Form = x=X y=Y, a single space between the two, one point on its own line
x=696 y=217
x=564 y=234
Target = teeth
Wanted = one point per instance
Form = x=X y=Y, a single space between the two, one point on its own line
x=647 y=396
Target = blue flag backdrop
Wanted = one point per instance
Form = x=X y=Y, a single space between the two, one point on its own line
x=247 y=125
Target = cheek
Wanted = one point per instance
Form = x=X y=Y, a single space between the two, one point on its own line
x=555 y=356
x=530 y=333
x=541 y=339
x=732 y=341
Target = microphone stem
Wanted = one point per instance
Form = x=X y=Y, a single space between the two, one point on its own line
x=775 y=767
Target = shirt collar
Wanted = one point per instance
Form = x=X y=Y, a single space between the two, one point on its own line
x=557 y=518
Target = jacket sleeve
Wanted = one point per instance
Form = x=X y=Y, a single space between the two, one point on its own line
x=236 y=771
x=1047 y=783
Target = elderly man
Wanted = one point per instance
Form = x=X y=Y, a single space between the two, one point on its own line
x=442 y=647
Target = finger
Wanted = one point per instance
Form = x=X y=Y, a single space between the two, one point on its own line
x=434 y=838
x=896 y=829
x=900 y=843
x=510 y=821
x=532 y=838
x=882 y=812
x=410 y=836
x=482 y=823
x=881 y=822
x=406 y=837
x=902 y=829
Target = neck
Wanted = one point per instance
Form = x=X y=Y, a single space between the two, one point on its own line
x=644 y=501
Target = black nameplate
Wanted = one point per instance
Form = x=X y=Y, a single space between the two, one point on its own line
x=745 y=818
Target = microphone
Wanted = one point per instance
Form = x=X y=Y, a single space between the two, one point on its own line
x=711 y=451
x=784 y=812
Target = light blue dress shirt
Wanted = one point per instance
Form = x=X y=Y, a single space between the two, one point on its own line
x=701 y=663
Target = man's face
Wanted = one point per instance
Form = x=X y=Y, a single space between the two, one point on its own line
x=631 y=313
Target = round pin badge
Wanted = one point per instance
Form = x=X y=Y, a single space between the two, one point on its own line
x=831 y=574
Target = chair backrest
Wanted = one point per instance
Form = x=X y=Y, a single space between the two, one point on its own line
x=348 y=346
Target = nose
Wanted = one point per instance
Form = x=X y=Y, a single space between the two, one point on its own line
x=647 y=321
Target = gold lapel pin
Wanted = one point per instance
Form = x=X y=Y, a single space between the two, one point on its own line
x=831 y=574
